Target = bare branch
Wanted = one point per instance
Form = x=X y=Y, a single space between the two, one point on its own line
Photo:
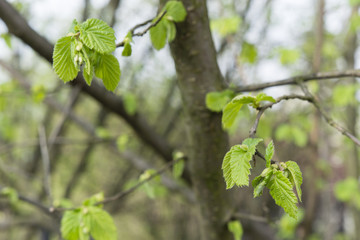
x=140 y=34
x=46 y=162
x=327 y=118
x=250 y=217
x=296 y=79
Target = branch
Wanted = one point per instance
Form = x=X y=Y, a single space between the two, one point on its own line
x=140 y=34
x=46 y=162
x=295 y=80
x=269 y=105
x=327 y=118
x=250 y=217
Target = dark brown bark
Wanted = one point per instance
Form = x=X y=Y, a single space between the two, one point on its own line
x=198 y=73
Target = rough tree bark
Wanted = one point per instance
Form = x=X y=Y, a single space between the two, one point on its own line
x=198 y=73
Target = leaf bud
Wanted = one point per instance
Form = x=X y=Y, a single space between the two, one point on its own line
x=244 y=147
x=266 y=172
x=79 y=46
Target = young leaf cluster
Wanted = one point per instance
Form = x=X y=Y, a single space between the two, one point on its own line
x=165 y=28
x=88 y=46
x=232 y=108
x=153 y=188
x=280 y=178
x=89 y=221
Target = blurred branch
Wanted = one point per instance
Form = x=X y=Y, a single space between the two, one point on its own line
x=46 y=162
x=251 y=217
x=140 y=34
x=327 y=118
x=296 y=79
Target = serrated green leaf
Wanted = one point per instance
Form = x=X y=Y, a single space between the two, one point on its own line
x=108 y=69
x=72 y=27
x=102 y=225
x=171 y=30
x=295 y=176
x=281 y=191
x=158 y=35
x=236 y=229
x=252 y=143
x=88 y=73
x=258 y=185
x=178 y=168
x=269 y=153
x=70 y=225
x=175 y=10
x=226 y=167
x=263 y=97
x=97 y=35
x=216 y=101
x=62 y=61
x=244 y=99
x=127 y=50
x=230 y=113
x=240 y=165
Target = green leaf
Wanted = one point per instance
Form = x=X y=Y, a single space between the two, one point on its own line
x=230 y=113
x=127 y=50
x=63 y=63
x=248 y=53
x=175 y=11
x=289 y=56
x=171 y=30
x=130 y=103
x=236 y=229
x=252 y=143
x=344 y=190
x=178 y=168
x=240 y=165
x=226 y=26
x=263 y=97
x=226 y=167
x=122 y=141
x=216 y=101
x=158 y=35
x=97 y=35
x=70 y=225
x=108 y=69
x=281 y=190
x=295 y=176
x=88 y=73
x=269 y=153
x=94 y=199
x=10 y=193
x=244 y=99
x=102 y=226
x=7 y=39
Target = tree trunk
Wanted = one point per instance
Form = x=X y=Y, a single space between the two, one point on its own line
x=198 y=73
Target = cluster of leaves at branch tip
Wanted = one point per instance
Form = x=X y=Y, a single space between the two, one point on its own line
x=152 y=187
x=88 y=46
x=280 y=178
x=89 y=221
x=165 y=29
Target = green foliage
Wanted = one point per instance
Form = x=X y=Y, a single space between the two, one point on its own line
x=236 y=164
x=89 y=44
x=226 y=26
x=295 y=176
x=216 y=101
x=153 y=187
x=165 y=29
x=288 y=133
x=11 y=194
x=348 y=191
x=178 y=168
x=344 y=95
x=288 y=225
x=248 y=53
x=7 y=39
x=88 y=220
x=130 y=103
x=122 y=141
x=289 y=56
x=231 y=110
x=236 y=229
x=281 y=190
x=269 y=153
x=127 y=45
x=354 y=2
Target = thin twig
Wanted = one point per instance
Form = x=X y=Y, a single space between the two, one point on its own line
x=269 y=105
x=46 y=162
x=140 y=34
x=250 y=217
x=327 y=118
x=296 y=79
